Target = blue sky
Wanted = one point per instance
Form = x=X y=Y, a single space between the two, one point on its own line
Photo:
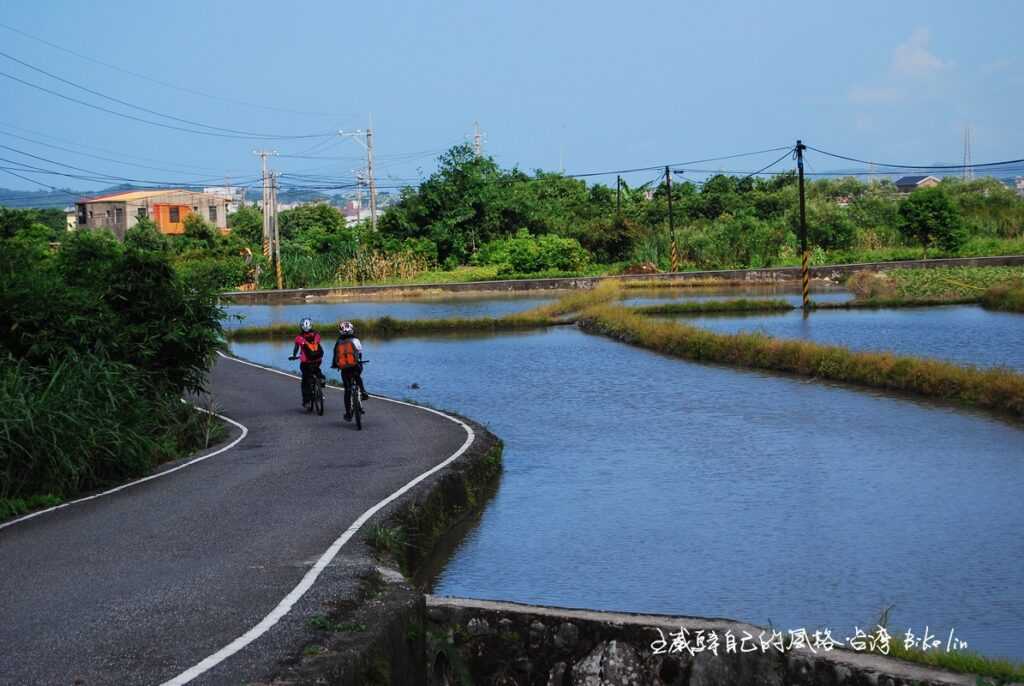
x=594 y=85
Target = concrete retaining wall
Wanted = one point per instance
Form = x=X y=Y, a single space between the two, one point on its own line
x=483 y=642
x=769 y=275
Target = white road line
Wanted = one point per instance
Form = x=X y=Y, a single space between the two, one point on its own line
x=229 y=446
x=311 y=576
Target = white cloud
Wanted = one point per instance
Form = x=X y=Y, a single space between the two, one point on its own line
x=913 y=59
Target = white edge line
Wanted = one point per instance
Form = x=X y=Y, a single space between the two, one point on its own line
x=229 y=446
x=311 y=576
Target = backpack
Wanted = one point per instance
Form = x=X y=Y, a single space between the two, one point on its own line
x=345 y=355
x=313 y=350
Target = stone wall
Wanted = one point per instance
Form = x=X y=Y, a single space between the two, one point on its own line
x=505 y=644
x=770 y=275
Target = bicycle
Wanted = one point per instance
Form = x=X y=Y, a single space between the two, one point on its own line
x=357 y=400
x=317 y=403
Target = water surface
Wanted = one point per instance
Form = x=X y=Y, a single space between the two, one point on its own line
x=638 y=482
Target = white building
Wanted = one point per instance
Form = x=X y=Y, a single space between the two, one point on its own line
x=235 y=195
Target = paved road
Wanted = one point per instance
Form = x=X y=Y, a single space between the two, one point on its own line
x=139 y=586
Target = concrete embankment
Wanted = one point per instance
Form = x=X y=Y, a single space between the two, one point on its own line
x=751 y=276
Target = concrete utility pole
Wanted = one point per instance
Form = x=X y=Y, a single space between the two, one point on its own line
x=478 y=146
x=368 y=144
x=804 y=252
x=674 y=254
x=277 y=231
x=369 y=170
x=267 y=238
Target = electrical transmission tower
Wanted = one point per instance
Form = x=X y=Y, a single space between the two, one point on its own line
x=968 y=172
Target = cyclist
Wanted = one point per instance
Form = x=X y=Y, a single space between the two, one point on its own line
x=310 y=354
x=348 y=356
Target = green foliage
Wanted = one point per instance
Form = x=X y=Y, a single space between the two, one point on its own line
x=1006 y=296
x=146 y=236
x=930 y=217
x=214 y=273
x=247 y=224
x=97 y=343
x=526 y=254
x=198 y=230
x=307 y=217
x=15 y=221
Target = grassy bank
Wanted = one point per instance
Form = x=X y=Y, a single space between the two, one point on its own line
x=936 y=283
x=387 y=327
x=1008 y=297
x=739 y=305
x=999 y=390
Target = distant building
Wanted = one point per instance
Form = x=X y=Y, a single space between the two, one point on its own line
x=843 y=200
x=235 y=195
x=1020 y=185
x=71 y=218
x=909 y=184
x=354 y=212
x=119 y=212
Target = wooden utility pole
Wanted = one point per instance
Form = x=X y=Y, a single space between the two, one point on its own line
x=674 y=256
x=618 y=194
x=805 y=254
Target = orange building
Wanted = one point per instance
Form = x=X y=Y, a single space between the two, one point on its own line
x=168 y=208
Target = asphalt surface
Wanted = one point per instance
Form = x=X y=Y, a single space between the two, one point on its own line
x=140 y=585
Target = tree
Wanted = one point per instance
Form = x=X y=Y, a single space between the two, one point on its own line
x=247 y=224
x=199 y=230
x=930 y=217
x=146 y=236
x=296 y=221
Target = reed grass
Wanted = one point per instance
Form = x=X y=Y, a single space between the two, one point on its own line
x=603 y=292
x=86 y=423
x=715 y=306
x=1000 y=390
x=1008 y=297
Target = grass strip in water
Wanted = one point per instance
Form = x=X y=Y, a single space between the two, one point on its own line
x=1000 y=389
x=603 y=292
x=879 y=303
x=715 y=306
x=1008 y=297
x=388 y=327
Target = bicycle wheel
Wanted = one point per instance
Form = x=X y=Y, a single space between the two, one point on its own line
x=357 y=409
x=318 y=398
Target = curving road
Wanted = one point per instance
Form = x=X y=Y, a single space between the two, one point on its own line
x=141 y=585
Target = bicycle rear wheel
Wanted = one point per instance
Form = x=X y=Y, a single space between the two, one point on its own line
x=318 y=398
x=357 y=409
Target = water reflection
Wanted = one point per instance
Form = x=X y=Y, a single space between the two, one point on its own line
x=638 y=482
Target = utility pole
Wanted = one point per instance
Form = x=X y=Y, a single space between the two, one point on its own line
x=368 y=144
x=267 y=238
x=277 y=231
x=671 y=220
x=618 y=194
x=805 y=254
x=478 y=146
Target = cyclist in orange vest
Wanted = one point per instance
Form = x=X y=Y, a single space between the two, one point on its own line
x=348 y=356
x=310 y=354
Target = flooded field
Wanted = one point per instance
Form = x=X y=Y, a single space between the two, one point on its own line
x=638 y=482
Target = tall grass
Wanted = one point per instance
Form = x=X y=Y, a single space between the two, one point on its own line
x=375 y=265
x=603 y=292
x=1007 y=296
x=83 y=424
x=1000 y=390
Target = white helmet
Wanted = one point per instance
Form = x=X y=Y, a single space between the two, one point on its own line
x=346 y=329
x=306 y=325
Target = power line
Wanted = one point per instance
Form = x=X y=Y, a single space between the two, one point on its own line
x=165 y=83
x=915 y=166
x=150 y=122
